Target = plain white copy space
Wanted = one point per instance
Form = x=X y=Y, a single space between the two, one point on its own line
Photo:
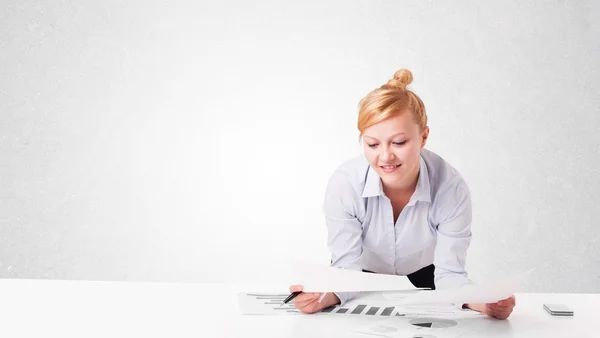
x=192 y=141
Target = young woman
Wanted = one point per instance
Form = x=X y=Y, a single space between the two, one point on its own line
x=399 y=209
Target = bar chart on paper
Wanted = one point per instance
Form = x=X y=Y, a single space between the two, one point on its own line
x=264 y=303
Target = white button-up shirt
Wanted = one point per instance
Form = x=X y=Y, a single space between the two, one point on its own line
x=434 y=227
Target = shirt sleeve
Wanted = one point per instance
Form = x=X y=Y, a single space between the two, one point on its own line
x=344 y=230
x=453 y=236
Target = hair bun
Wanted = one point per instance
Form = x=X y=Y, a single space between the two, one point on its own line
x=402 y=78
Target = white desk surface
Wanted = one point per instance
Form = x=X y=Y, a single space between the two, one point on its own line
x=52 y=308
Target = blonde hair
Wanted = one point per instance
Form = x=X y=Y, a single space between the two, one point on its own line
x=390 y=100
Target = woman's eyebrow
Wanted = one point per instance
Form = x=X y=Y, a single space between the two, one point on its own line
x=400 y=133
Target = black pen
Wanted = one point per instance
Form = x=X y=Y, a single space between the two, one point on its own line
x=291 y=296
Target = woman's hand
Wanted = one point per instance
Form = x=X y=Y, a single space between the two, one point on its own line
x=308 y=302
x=501 y=309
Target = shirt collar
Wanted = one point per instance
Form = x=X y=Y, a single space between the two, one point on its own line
x=423 y=190
x=373 y=185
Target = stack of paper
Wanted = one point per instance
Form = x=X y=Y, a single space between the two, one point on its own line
x=405 y=300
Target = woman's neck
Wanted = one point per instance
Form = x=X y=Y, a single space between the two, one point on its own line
x=402 y=188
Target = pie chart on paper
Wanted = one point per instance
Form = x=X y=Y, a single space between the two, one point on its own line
x=433 y=323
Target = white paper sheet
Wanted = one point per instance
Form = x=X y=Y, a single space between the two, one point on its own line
x=425 y=326
x=323 y=278
x=318 y=278
x=480 y=293
x=366 y=304
x=261 y=303
x=374 y=304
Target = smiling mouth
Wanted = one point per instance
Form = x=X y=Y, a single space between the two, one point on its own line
x=390 y=166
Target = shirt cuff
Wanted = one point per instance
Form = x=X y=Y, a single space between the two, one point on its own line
x=345 y=296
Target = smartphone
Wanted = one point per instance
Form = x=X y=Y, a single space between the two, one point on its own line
x=558 y=309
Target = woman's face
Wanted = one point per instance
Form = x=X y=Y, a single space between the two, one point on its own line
x=393 y=148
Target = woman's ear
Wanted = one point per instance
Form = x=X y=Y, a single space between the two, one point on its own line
x=424 y=136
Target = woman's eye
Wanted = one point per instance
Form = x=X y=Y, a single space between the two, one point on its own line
x=372 y=145
x=399 y=143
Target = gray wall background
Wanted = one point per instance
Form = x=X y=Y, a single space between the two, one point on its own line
x=192 y=141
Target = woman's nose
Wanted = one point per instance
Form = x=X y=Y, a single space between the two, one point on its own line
x=386 y=154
